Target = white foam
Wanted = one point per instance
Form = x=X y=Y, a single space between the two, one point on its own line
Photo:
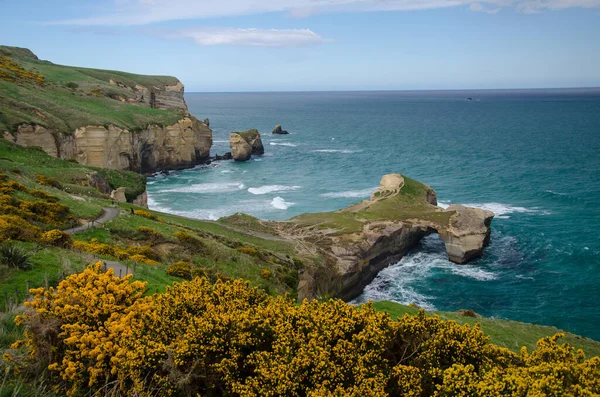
x=218 y=141
x=344 y=151
x=504 y=209
x=282 y=144
x=227 y=171
x=524 y=277
x=444 y=204
x=399 y=281
x=272 y=189
x=207 y=188
x=351 y=193
x=280 y=203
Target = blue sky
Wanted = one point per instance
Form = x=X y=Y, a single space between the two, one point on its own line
x=272 y=45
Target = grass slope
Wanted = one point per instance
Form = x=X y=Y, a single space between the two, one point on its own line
x=410 y=203
x=510 y=334
x=71 y=97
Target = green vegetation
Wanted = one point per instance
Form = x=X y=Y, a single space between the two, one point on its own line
x=409 y=203
x=64 y=98
x=249 y=134
x=25 y=164
x=505 y=333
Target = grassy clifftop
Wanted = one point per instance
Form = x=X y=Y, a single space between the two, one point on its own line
x=64 y=98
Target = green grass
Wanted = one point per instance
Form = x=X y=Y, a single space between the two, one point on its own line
x=23 y=164
x=51 y=263
x=510 y=334
x=65 y=109
x=248 y=222
x=249 y=134
x=410 y=203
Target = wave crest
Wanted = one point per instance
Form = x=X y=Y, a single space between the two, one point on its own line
x=272 y=189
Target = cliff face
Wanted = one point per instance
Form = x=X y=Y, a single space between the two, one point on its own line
x=98 y=117
x=181 y=145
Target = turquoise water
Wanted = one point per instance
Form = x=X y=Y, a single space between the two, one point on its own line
x=532 y=157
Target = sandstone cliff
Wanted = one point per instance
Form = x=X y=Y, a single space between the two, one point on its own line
x=154 y=148
x=244 y=144
x=98 y=117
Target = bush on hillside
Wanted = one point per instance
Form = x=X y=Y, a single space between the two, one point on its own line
x=13 y=227
x=48 y=181
x=57 y=238
x=13 y=256
x=148 y=215
x=228 y=338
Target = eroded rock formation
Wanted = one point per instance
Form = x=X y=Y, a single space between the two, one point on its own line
x=357 y=242
x=244 y=144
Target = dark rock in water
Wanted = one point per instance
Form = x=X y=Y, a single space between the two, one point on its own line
x=226 y=156
x=280 y=131
x=207 y=122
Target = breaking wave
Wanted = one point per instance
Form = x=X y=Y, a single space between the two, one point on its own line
x=207 y=188
x=272 y=189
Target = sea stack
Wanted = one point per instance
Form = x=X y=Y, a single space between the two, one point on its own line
x=279 y=131
x=244 y=144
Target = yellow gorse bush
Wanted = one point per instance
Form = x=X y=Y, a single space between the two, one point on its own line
x=98 y=332
x=57 y=238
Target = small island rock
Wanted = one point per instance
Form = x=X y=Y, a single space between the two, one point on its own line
x=280 y=131
x=467 y=234
x=244 y=144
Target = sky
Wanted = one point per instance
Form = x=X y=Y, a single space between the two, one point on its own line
x=308 y=45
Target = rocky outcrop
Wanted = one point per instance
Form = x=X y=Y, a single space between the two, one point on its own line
x=119 y=195
x=240 y=149
x=154 y=148
x=96 y=181
x=355 y=243
x=280 y=131
x=244 y=144
x=467 y=234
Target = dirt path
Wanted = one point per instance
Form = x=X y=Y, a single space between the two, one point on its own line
x=107 y=215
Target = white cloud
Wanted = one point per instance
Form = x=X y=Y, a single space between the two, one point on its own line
x=252 y=37
x=142 y=12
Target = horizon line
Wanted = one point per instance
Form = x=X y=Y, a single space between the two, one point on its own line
x=596 y=88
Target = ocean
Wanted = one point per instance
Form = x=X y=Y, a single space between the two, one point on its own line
x=530 y=156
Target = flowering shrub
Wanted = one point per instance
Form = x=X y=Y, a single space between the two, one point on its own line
x=148 y=215
x=143 y=250
x=190 y=242
x=150 y=234
x=43 y=195
x=48 y=181
x=143 y=259
x=14 y=228
x=230 y=339
x=180 y=269
x=248 y=251
x=69 y=327
x=266 y=274
x=12 y=72
x=95 y=247
x=57 y=238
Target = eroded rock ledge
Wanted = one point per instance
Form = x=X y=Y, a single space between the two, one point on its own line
x=357 y=242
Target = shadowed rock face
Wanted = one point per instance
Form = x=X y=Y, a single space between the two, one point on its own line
x=359 y=241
